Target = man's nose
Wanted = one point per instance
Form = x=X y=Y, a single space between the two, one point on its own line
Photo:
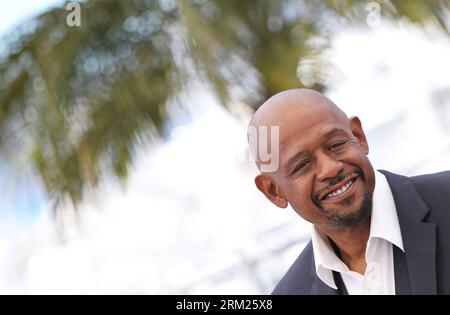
x=328 y=167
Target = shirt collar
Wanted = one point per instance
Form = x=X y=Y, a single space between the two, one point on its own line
x=383 y=224
x=325 y=258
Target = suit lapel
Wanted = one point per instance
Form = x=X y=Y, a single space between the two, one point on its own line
x=402 y=285
x=419 y=238
x=318 y=286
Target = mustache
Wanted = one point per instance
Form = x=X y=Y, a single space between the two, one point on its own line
x=337 y=179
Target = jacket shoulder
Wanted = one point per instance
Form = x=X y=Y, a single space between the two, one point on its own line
x=298 y=279
x=435 y=180
x=433 y=187
x=435 y=192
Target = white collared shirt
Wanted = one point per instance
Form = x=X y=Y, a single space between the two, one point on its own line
x=379 y=277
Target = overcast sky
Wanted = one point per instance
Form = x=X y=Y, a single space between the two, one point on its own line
x=12 y=13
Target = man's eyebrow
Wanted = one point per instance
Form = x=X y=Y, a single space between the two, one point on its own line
x=332 y=132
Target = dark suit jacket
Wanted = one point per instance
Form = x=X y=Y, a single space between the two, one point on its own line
x=423 y=208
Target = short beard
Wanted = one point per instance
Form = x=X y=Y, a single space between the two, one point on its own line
x=350 y=220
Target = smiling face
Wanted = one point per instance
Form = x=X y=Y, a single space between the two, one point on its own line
x=324 y=172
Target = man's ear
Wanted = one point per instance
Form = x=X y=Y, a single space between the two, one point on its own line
x=266 y=185
x=358 y=132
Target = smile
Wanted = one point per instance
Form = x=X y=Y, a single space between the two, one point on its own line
x=341 y=190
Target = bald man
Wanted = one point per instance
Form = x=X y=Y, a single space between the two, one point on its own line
x=373 y=232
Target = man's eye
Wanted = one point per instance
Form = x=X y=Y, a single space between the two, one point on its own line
x=301 y=165
x=337 y=145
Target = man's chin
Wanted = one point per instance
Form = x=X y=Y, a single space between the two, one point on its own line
x=345 y=217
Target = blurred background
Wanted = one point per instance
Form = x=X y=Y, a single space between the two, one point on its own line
x=123 y=131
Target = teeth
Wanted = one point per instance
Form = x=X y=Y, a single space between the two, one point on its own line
x=340 y=190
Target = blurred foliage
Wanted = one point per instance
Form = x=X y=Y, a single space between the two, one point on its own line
x=78 y=99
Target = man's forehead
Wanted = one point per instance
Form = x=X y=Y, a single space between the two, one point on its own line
x=288 y=114
x=309 y=125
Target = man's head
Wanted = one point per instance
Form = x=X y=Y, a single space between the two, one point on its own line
x=324 y=172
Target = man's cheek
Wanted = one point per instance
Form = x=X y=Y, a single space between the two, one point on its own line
x=305 y=199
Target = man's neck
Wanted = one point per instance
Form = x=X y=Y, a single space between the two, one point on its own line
x=352 y=243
